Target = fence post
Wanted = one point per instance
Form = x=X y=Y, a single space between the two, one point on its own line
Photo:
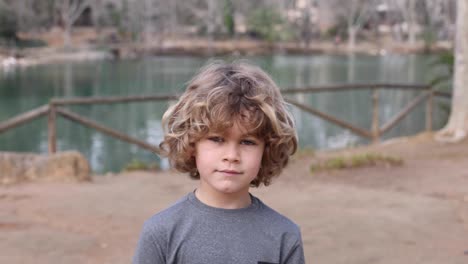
x=429 y=109
x=52 y=129
x=375 y=116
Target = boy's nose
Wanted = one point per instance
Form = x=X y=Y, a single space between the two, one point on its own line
x=231 y=154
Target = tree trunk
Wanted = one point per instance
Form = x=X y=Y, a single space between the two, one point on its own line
x=66 y=23
x=411 y=23
x=96 y=7
x=351 y=74
x=457 y=127
x=67 y=34
x=210 y=23
x=70 y=12
x=173 y=24
x=352 y=32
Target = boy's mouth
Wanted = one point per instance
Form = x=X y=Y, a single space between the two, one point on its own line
x=233 y=172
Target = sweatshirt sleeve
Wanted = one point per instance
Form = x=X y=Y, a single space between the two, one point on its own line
x=150 y=248
x=296 y=254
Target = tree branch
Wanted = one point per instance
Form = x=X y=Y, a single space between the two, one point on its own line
x=77 y=10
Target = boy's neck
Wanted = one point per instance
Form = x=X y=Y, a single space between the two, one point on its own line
x=224 y=201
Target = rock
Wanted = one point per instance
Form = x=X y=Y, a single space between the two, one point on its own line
x=9 y=62
x=62 y=166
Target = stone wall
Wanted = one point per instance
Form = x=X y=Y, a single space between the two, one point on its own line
x=62 y=166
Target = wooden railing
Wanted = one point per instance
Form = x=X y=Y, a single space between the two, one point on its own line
x=57 y=106
x=376 y=130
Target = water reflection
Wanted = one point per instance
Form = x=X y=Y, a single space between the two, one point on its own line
x=28 y=88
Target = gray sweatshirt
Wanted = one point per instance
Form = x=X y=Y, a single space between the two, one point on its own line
x=195 y=233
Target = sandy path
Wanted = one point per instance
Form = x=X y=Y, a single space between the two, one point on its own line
x=417 y=213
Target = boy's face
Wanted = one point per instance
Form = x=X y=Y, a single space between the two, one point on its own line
x=229 y=161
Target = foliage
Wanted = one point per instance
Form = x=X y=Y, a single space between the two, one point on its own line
x=445 y=61
x=266 y=19
x=130 y=20
x=429 y=38
x=443 y=82
x=115 y=16
x=229 y=17
x=268 y=24
x=303 y=152
x=30 y=43
x=355 y=161
x=8 y=23
x=340 y=29
x=136 y=165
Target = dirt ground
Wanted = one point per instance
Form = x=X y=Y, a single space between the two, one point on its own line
x=416 y=213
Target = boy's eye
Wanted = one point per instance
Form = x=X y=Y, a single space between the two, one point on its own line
x=248 y=142
x=215 y=139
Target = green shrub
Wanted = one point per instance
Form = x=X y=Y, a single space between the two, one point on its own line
x=138 y=165
x=30 y=43
x=443 y=81
x=229 y=17
x=429 y=37
x=335 y=163
x=268 y=24
x=303 y=152
x=355 y=161
x=8 y=23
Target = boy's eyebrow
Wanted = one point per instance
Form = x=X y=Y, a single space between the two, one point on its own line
x=250 y=135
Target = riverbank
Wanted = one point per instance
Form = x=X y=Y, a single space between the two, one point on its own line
x=88 y=45
x=415 y=213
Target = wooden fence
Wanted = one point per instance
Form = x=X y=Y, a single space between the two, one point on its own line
x=57 y=106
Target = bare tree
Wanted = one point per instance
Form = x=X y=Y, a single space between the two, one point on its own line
x=449 y=18
x=97 y=9
x=25 y=13
x=211 y=18
x=407 y=9
x=141 y=19
x=355 y=13
x=457 y=126
x=438 y=18
x=31 y=14
x=358 y=12
x=173 y=19
x=149 y=13
x=206 y=14
x=306 y=22
x=70 y=11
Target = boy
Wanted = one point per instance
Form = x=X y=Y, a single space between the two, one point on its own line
x=231 y=130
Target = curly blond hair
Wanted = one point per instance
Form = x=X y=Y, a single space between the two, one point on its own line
x=219 y=95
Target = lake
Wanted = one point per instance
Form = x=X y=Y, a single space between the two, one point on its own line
x=23 y=89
